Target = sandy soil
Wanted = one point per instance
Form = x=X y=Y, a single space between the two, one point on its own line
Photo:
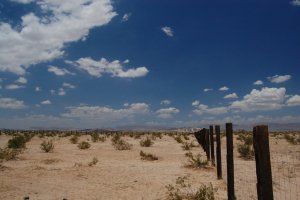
x=65 y=173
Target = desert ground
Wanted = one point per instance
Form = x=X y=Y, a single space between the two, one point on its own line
x=122 y=174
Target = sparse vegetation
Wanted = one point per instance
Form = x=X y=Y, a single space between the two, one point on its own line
x=148 y=156
x=93 y=162
x=146 y=142
x=178 y=138
x=17 y=142
x=74 y=139
x=8 y=154
x=84 y=145
x=245 y=147
x=188 y=146
x=292 y=139
x=196 y=161
x=186 y=137
x=119 y=143
x=182 y=190
x=47 y=146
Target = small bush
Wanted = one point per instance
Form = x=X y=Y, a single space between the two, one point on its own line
x=146 y=142
x=292 y=139
x=196 y=161
x=93 y=162
x=178 y=139
x=182 y=190
x=95 y=137
x=74 y=139
x=186 y=146
x=245 y=138
x=148 y=156
x=84 y=145
x=245 y=151
x=8 y=154
x=17 y=142
x=186 y=137
x=47 y=146
x=122 y=145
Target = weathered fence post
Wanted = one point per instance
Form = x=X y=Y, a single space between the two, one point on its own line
x=218 y=151
x=263 y=163
x=230 y=166
x=212 y=146
x=207 y=150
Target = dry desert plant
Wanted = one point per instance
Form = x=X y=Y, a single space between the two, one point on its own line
x=74 y=139
x=196 y=161
x=8 y=154
x=17 y=142
x=148 y=156
x=93 y=162
x=84 y=145
x=146 y=142
x=47 y=146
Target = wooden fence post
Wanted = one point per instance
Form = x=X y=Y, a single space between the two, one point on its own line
x=207 y=144
x=263 y=163
x=218 y=151
x=212 y=146
x=230 y=164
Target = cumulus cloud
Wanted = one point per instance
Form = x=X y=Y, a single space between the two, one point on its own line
x=46 y=102
x=195 y=103
x=115 y=68
x=166 y=113
x=224 y=88
x=61 y=92
x=37 y=89
x=59 y=71
x=126 y=17
x=207 y=89
x=168 y=31
x=258 y=82
x=261 y=100
x=99 y=112
x=42 y=38
x=231 y=96
x=165 y=102
x=11 y=103
x=21 y=80
x=68 y=85
x=295 y=2
x=279 y=79
x=293 y=101
x=204 y=109
x=13 y=86
x=23 y=1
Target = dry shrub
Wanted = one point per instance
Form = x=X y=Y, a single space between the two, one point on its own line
x=245 y=147
x=74 y=139
x=196 y=161
x=84 y=145
x=93 y=162
x=119 y=143
x=146 y=142
x=148 y=156
x=182 y=190
x=17 y=142
x=292 y=139
x=8 y=154
x=47 y=146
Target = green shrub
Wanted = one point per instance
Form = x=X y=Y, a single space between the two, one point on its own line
x=84 y=145
x=196 y=161
x=47 y=146
x=246 y=151
x=17 y=142
x=148 y=156
x=147 y=142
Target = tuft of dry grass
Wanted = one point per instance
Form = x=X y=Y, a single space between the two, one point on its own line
x=47 y=146
x=146 y=142
x=84 y=145
x=120 y=144
x=196 y=161
x=8 y=154
x=93 y=162
x=148 y=156
x=74 y=139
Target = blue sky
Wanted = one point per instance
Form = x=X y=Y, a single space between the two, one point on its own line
x=102 y=63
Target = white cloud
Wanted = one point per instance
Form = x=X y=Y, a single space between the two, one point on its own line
x=21 y=80
x=23 y=1
x=258 y=82
x=98 y=112
x=293 y=101
x=224 y=88
x=68 y=85
x=14 y=86
x=204 y=109
x=231 y=96
x=37 y=89
x=52 y=91
x=115 y=68
x=126 y=17
x=261 y=100
x=61 y=92
x=195 y=103
x=166 y=113
x=168 y=31
x=59 y=71
x=295 y=2
x=165 y=102
x=43 y=38
x=46 y=102
x=11 y=103
x=126 y=61
x=279 y=79
x=207 y=89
